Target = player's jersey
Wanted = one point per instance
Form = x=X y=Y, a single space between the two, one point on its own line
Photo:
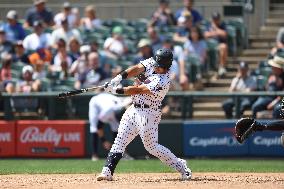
x=158 y=84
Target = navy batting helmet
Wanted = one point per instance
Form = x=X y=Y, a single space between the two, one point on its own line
x=163 y=58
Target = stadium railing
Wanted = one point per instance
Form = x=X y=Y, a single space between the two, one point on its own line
x=55 y=108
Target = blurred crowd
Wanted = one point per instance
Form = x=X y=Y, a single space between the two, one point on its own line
x=63 y=51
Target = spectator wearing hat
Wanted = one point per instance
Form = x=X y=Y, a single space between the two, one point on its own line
x=242 y=82
x=163 y=16
x=38 y=39
x=5 y=45
x=155 y=39
x=185 y=23
x=90 y=21
x=145 y=51
x=65 y=33
x=275 y=82
x=26 y=85
x=20 y=54
x=14 y=30
x=115 y=46
x=188 y=9
x=39 y=12
x=67 y=12
x=217 y=31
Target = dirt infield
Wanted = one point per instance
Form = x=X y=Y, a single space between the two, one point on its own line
x=146 y=180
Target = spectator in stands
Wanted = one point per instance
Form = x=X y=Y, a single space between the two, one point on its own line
x=188 y=8
x=74 y=48
x=38 y=39
x=279 y=41
x=14 y=30
x=20 y=54
x=39 y=12
x=163 y=16
x=26 y=85
x=69 y=13
x=65 y=33
x=155 y=38
x=115 y=46
x=80 y=66
x=5 y=45
x=93 y=74
x=217 y=31
x=178 y=69
x=243 y=82
x=105 y=63
x=196 y=45
x=90 y=21
x=184 y=27
x=275 y=83
x=5 y=72
x=62 y=61
x=145 y=51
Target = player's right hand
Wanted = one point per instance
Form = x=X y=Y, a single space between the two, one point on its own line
x=116 y=81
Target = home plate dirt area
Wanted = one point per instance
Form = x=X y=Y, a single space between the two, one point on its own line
x=145 y=180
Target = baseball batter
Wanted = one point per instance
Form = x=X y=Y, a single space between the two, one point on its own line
x=144 y=115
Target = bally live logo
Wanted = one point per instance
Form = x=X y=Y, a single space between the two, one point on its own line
x=49 y=135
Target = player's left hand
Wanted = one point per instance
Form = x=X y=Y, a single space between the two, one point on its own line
x=116 y=81
x=110 y=88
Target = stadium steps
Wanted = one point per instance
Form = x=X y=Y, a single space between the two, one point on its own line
x=259 y=47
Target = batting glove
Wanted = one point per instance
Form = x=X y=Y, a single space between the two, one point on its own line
x=116 y=81
x=109 y=88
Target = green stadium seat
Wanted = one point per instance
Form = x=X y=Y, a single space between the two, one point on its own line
x=16 y=74
x=46 y=84
x=193 y=66
x=242 y=36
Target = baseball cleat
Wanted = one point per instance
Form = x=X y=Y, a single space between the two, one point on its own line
x=105 y=175
x=186 y=172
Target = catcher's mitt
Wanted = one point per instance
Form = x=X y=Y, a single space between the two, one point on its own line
x=244 y=127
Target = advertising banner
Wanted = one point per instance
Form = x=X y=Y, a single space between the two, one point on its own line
x=213 y=138
x=51 y=138
x=266 y=143
x=7 y=139
x=216 y=138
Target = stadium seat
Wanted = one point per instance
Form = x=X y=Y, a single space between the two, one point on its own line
x=232 y=44
x=213 y=57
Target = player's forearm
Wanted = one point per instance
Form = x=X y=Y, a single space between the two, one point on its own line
x=133 y=71
x=133 y=90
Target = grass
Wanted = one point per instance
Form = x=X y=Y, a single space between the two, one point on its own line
x=52 y=166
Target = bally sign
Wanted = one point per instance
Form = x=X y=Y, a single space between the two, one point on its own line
x=7 y=139
x=51 y=138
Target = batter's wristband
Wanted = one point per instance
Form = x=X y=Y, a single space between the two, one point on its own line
x=124 y=74
x=119 y=91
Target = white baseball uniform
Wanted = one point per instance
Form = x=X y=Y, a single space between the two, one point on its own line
x=144 y=120
x=102 y=107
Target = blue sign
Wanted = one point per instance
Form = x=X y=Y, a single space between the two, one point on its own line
x=216 y=138
x=266 y=143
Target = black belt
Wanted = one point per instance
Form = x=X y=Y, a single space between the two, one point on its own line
x=145 y=106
